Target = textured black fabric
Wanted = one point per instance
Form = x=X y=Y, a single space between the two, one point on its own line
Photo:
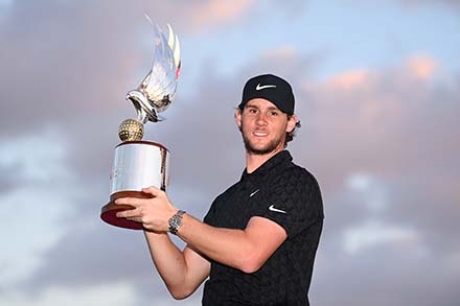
x=289 y=195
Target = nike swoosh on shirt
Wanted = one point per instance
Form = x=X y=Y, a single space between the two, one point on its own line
x=260 y=87
x=272 y=208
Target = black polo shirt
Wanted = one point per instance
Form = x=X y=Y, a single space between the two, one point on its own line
x=289 y=195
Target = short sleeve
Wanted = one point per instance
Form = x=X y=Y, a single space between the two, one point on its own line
x=292 y=199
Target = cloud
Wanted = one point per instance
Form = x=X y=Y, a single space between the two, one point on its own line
x=348 y=81
x=422 y=66
x=372 y=234
x=115 y=294
x=29 y=165
x=392 y=111
x=220 y=13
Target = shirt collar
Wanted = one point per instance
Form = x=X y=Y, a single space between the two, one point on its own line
x=278 y=158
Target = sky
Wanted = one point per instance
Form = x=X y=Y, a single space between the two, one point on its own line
x=377 y=87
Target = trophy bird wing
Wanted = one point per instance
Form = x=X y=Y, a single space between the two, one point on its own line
x=160 y=85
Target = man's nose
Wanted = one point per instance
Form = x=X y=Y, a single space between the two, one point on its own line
x=261 y=119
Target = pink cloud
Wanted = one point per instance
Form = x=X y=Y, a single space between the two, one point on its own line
x=422 y=67
x=390 y=116
x=219 y=12
x=350 y=80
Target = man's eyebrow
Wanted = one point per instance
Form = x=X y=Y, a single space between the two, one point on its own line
x=250 y=106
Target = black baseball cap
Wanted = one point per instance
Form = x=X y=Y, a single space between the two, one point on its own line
x=270 y=87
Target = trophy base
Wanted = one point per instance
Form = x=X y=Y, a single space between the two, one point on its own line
x=109 y=211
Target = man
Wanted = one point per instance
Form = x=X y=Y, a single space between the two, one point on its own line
x=258 y=241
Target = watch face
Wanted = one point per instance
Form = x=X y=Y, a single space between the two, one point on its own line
x=176 y=221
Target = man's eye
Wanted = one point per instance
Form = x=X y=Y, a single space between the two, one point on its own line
x=274 y=113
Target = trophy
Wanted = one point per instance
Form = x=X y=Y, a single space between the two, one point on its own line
x=139 y=163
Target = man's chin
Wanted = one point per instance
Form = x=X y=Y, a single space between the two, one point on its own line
x=263 y=150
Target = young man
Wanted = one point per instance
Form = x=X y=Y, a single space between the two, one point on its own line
x=258 y=241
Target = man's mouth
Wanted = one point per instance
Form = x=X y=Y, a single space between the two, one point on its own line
x=260 y=134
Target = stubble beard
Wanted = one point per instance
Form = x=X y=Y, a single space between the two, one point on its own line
x=269 y=148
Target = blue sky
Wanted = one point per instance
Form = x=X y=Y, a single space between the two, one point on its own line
x=377 y=87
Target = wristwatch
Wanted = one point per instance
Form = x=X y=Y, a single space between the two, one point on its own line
x=175 y=222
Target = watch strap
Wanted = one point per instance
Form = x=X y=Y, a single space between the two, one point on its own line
x=175 y=222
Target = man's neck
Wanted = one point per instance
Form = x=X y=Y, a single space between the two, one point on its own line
x=254 y=161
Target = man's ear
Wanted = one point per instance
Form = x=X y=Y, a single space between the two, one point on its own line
x=238 y=118
x=291 y=123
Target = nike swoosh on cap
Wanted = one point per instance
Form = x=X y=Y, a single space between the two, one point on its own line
x=260 y=87
x=272 y=208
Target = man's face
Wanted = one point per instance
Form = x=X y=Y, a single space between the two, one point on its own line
x=263 y=126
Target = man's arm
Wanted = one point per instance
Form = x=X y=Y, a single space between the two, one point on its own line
x=181 y=271
x=246 y=250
